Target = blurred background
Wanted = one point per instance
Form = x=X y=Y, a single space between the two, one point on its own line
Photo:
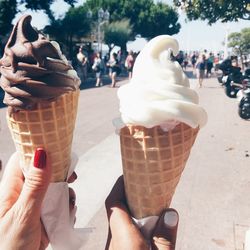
x=103 y=25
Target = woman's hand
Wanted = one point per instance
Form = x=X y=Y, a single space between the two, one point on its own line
x=21 y=200
x=123 y=233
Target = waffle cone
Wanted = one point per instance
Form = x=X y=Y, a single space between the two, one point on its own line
x=153 y=161
x=50 y=126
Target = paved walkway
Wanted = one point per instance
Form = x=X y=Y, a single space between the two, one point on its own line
x=212 y=196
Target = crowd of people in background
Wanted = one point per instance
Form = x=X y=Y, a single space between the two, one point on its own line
x=94 y=64
x=202 y=63
x=113 y=64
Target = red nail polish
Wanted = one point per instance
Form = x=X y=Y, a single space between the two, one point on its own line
x=40 y=158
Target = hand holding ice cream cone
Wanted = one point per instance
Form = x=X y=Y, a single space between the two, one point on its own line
x=41 y=91
x=21 y=199
x=124 y=234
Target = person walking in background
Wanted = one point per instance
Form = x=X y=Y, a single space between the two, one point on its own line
x=129 y=63
x=180 y=58
x=209 y=64
x=201 y=66
x=206 y=53
x=216 y=62
x=106 y=68
x=114 y=69
x=119 y=55
x=185 y=61
x=82 y=64
x=98 y=68
x=193 y=60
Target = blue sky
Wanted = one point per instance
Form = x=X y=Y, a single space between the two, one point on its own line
x=195 y=35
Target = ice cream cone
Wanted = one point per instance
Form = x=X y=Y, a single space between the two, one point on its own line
x=50 y=126
x=153 y=161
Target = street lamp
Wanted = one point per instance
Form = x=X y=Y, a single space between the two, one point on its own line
x=103 y=16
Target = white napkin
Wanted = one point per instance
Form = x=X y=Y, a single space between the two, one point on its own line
x=146 y=225
x=247 y=240
x=57 y=218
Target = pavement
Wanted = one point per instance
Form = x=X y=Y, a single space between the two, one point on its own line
x=212 y=196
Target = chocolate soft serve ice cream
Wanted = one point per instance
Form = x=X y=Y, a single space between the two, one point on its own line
x=34 y=69
x=41 y=91
x=161 y=118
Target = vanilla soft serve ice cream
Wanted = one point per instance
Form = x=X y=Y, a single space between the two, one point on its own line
x=159 y=91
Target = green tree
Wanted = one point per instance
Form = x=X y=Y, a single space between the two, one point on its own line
x=158 y=21
x=43 y=5
x=147 y=18
x=71 y=28
x=7 y=13
x=240 y=42
x=212 y=11
x=117 y=33
x=9 y=8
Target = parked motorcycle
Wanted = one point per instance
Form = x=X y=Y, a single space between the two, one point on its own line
x=236 y=85
x=224 y=66
x=244 y=105
x=231 y=78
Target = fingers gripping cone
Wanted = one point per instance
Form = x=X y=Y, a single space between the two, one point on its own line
x=50 y=126
x=153 y=161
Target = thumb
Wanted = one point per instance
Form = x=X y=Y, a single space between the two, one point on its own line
x=36 y=183
x=164 y=235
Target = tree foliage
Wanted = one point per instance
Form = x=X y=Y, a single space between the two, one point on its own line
x=159 y=21
x=42 y=4
x=240 y=41
x=212 y=10
x=7 y=14
x=9 y=8
x=73 y=26
x=147 y=18
x=117 y=33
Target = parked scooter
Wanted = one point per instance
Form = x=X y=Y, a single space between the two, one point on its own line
x=236 y=85
x=224 y=67
x=244 y=105
x=231 y=78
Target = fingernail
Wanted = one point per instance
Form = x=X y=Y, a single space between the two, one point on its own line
x=162 y=241
x=40 y=158
x=171 y=218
